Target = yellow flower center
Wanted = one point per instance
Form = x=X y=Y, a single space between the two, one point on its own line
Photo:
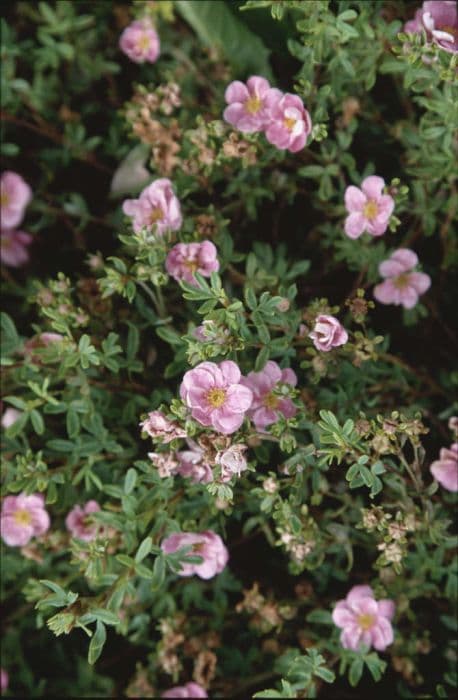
x=22 y=517
x=402 y=281
x=4 y=198
x=270 y=401
x=156 y=215
x=289 y=123
x=370 y=210
x=216 y=397
x=365 y=622
x=192 y=265
x=253 y=105
x=143 y=43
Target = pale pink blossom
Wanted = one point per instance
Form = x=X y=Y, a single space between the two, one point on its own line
x=328 y=333
x=289 y=122
x=15 y=195
x=140 y=42
x=157 y=208
x=232 y=461
x=187 y=258
x=80 y=523
x=192 y=464
x=364 y=620
x=13 y=247
x=368 y=208
x=190 y=690
x=161 y=428
x=401 y=285
x=22 y=518
x=165 y=462
x=439 y=19
x=247 y=110
x=268 y=403
x=445 y=469
x=10 y=417
x=4 y=680
x=207 y=545
x=216 y=396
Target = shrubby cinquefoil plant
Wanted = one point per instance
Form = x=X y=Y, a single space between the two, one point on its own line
x=228 y=246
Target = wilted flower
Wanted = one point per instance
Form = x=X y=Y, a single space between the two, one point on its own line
x=401 y=286
x=290 y=123
x=190 y=690
x=13 y=247
x=207 y=545
x=247 y=109
x=157 y=208
x=328 y=333
x=79 y=522
x=364 y=620
x=140 y=42
x=232 y=461
x=368 y=208
x=187 y=258
x=267 y=403
x=22 y=518
x=165 y=462
x=445 y=469
x=270 y=485
x=439 y=19
x=192 y=464
x=15 y=195
x=216 y=396
x=161 y=428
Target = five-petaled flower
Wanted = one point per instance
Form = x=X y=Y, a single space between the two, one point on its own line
x=15 y=195
x=328 y=333
x=364 y=620
x=402 y=286
x=207 y=545
x=368 y=208
x=157 y=208
x=190 y=690
x=140 y=42
x=187 y=258
x=22 y=518
x=216 y=396
x=79 y=522
x=247 y=109
x=290 y=124
x=268 y=403
x=439 y=19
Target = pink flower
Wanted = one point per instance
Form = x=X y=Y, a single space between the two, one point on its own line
x=290 y=123
x=445 y=469
x=267 y=403
x=247 y=109
x=232 y=461
x=187 y=258
x=193 y=465
x=10 y=417
x=157 y=208
x=207 y=545
x=22 y=518
x=13 y=247
x=328 y=333
x=363 y=620
x=4 y=680
x=439 y=19
x=160 y=428
x=190 y=690
x=216 y=396
x=15 y=195
x=140 y=42
x=368 y=209
x=401 y=286
x=79 y=522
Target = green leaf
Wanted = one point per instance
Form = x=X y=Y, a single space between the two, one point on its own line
x=144 y=549
x=130 y=481
x=97 y=643
x=356 y=671
x=158 y=572
x=105 y=616
x=9 y=334
x=217 y=26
